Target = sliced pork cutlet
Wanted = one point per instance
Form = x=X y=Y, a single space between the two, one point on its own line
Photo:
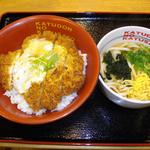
x=7 y=62
x=65 y=78
x=36 y=92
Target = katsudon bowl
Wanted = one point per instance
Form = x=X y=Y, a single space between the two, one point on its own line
x=11 y=39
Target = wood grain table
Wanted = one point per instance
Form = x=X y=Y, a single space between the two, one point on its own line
x=115 y=6
x=134 y=6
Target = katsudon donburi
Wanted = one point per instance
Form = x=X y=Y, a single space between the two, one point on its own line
x=45 y=74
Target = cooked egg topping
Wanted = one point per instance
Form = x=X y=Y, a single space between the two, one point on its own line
x=140 y=87
x=33 y=64
x=37 y=47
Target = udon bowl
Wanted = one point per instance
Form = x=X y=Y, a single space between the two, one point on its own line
x=11 y=38
x=135 y=34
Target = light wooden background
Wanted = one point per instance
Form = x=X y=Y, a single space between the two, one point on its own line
x=75 y=5
x=132 y=6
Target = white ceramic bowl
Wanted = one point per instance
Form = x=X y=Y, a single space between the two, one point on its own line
x=123 y=34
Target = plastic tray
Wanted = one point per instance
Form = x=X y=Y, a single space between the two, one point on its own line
x=98 y=120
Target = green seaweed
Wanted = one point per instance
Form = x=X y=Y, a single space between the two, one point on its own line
x=118 y=68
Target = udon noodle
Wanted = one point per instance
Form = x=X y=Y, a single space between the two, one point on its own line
x=126 y=70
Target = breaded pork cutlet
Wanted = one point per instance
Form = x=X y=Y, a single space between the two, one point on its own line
x=33 y=96
x=65 y=78
x=56 y=84
x=44 y=95
x=52 y=94
x=61 y=82
x=6 y=66
x=72 y=76
x=35 y=92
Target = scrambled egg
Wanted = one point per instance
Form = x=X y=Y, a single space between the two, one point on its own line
x=140 y=87
x=46 y=68
x=23 y=72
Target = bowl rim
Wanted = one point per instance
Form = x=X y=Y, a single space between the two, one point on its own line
x=136 y=101
x=71 y=107
x=116 y=30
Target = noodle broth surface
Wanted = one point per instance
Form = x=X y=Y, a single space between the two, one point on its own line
x=125 y=68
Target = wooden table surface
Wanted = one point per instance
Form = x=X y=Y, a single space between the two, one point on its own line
x=132 y=6
x=141 y=6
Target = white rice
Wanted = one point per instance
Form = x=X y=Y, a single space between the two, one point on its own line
x=22 y=105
